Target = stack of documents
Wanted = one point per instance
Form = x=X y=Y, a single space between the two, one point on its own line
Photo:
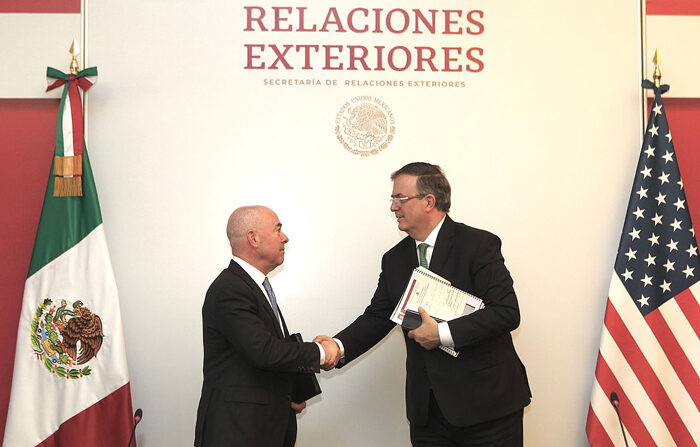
x=437 y=296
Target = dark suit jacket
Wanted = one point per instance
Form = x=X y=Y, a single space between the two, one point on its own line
x=249 y=366
x=487 y=380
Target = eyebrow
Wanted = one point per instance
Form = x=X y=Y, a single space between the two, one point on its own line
x=397 y=195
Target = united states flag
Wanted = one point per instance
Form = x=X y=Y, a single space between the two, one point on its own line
x=650 y=346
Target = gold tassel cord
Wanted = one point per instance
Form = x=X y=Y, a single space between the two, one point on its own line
x=69 y=166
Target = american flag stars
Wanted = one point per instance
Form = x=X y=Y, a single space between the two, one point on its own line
x=658 y=252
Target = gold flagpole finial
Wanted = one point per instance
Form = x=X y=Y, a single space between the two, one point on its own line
x=657 y=70
x=74 y=51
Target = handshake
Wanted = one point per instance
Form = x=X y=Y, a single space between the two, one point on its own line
x=331 y=349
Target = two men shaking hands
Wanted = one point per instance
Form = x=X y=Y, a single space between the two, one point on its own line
x=476 y=398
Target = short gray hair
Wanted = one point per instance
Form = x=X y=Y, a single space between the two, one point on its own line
x=431 y=180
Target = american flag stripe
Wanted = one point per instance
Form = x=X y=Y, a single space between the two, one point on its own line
x=688 y=303
x=680 y=344
x=683 y=329
x=633 y=390
x=642 y=335
x=597 y=434
x=629 y=337
x=634 y=426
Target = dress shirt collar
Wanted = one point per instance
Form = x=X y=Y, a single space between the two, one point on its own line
x=258 y=277
x=254 y=273
x=432 y=237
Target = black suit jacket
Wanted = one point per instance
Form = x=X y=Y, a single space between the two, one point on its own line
x=487 y=380
x=249 y=367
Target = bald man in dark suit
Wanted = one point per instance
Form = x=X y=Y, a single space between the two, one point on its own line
x=250 y=363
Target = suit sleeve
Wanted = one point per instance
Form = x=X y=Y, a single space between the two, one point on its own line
x=370 y=327
x=236 y=315
x=493 y=284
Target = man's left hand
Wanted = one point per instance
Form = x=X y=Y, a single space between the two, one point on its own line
x=298 y=407
x=427 y=334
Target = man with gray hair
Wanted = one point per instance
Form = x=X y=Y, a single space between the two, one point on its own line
x=476 y=398
x=250 y=363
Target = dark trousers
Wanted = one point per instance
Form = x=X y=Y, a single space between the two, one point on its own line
x=291 y=437
x=506 y=431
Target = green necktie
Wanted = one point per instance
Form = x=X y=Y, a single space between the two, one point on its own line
x=422 y=250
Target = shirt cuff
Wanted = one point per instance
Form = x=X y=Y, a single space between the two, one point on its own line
x=445 y=334
x=323 y=353
x=342 y=348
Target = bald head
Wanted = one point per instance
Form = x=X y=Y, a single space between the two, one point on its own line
x=242 y=220
x=255 y=235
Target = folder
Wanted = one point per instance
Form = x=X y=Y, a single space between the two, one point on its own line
x=305 y=384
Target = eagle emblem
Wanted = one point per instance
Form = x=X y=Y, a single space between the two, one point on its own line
x=365 y=125
x=66 y=337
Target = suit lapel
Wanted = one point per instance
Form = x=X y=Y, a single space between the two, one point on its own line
x=443 y=246
x=284 y=323
x=410 y=255
x=264 y=302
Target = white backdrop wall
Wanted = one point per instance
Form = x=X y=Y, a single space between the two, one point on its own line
x=540 y=148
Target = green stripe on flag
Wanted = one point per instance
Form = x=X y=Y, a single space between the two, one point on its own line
x=65 y=221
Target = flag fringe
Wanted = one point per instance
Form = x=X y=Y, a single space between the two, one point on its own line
x=68 y=187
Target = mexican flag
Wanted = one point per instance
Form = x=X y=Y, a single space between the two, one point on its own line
x=70 y=384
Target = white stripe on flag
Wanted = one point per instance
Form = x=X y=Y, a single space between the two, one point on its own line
x=607 y=416
x=695 y=290
x=67 y=128
x=634 y=390
x=655 y=355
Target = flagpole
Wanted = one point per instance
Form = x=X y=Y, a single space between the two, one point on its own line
x=643 y=24
x=657 y=70
x=84 y=42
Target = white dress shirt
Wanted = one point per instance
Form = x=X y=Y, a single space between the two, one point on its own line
x=443 y=327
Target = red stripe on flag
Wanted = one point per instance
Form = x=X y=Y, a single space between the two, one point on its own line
x=676 y=355
x=608 y=382
x=647 y=377
x=76 y=113
x=40 y=6
x=106 y=423
x=597 y=435
x=690 y=308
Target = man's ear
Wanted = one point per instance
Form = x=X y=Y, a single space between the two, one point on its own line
x=252 y=238
x=430 y=202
